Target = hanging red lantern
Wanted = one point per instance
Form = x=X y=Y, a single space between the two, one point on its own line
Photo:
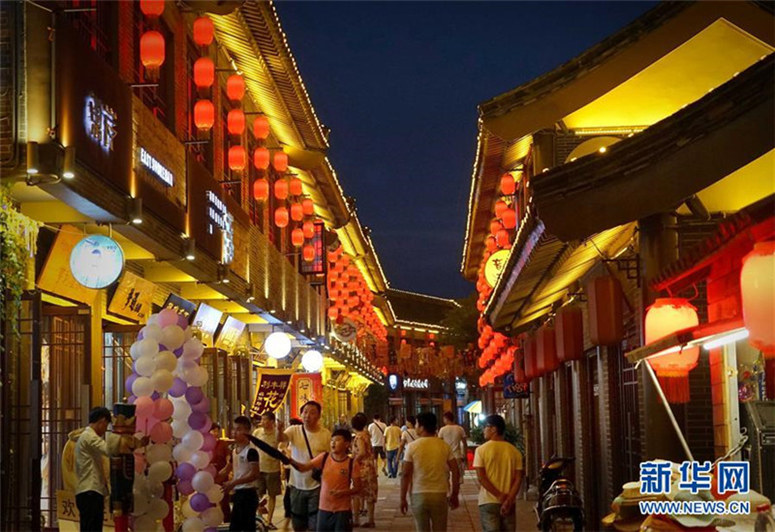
x=261 y=127
x=508 y=185
x=281 y=217
x=569 y=333
x=280 y=161
x=261 y=189
x=502 y=238
x=308 y=253
x=297 y=214
x=297 y=237
x=152 y=50
x=204 y=31
x=663 y=317
x=529 y=350
x=281 y=189
x=237 y=158
x=546 y=350
x=519 y=366
x=152 y=8
x=308 y=207
x=490 y=243
x=235 y=87
x=495 y=226
x=296 y=186
x=204 y=115
x=235 y=122
x=204 y=73
x=500 y=206
x=261 y=158
x=333 y=313
x=309 y=229
x=509 y=218
x=604 y=302
x=757 y=284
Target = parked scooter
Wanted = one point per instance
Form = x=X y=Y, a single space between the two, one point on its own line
x=559 y=505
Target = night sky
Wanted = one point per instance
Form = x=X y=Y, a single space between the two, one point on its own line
x=398 y=83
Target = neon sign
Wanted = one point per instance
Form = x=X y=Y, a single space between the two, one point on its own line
x=218 y=216
x=100 y=121
x=156 y=168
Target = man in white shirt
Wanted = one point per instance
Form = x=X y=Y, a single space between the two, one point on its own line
x=377 y=432
x=306 y=441
x=244 y=464
x=455 y=436
x=92 y=488
x=269 y=478
x=428 y=462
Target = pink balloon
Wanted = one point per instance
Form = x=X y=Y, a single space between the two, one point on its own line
x=185 y=487
x=146 y=424
x=211 y=469
x=167 y=317
x=209 y=442
x=143 y=406
x=202 y=406
x=139 y=463
x=161 y=432
x=163 y=408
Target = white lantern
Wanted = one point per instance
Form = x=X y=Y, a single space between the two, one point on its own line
x=277 y=345
x=757 y=287
x=312 y=361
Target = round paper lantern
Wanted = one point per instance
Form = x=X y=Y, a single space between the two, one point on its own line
x=308 y=253
x=309 y=229
x=312 y=361
x=235 y=122
x=152 y=8
x=204 y=73
x=490 y=243
x=261 y=158
x=204 y=115
x=297 y=214
x=500 y=206
x=280 y=161
x=281 y=217
x=261 y=127
x=204 y=31
x=152 y=49
x=663 y=317
x=277 y=345
x=296 y=187
x=297 y=237
x=509 y=218
x=333 y=313
x=308 y=207
x=757 y=285
x=502 y=238
x=495 y=226
x=281 y=189
x=508 y=185
x=235 y=87
x=237 y=158
x=261 y=189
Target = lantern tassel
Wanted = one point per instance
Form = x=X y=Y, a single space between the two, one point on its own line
x=769 y=369
x=676 y=388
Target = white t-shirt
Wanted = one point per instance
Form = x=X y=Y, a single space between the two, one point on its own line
x=377 y=435
x=499 y=459
x=241 y=462
x=267 y=463
x=319 y=442
x=454 y=435
x=430 y=458
x=89 y=452
x=408 y=436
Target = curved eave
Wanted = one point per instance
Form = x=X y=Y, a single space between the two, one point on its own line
x=659 y=168
x=545 y=100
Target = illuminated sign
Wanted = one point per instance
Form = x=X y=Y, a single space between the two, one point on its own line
x=207 y=320
x=417 y=384
x=156 y=168
x=393 y=381
x=100 y=120
x=346 y=331
x=461 y=385
x=218 y=216
x=96 y=261
x=494 y=266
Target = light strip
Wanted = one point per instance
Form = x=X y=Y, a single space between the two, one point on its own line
x=726 y=339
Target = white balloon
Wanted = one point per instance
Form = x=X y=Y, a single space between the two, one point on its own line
x=193 y=440
x=183 y=366
x=172 y=336
x=162 y=380
x=158 y=452
x=155 y=490
x=188 y=334
x=144 y=523
x=147 y=347
x=192 y=524
x=140 y=502
x=212 y=516
x=166 y=360
x=153 y=319
x=142 y=386
x=152 y=331
x=186 y=510
x=192 y=349
x=179 y=429
x=133 y=351
x=196 y=376
x=215 y=494
x=202 y=481
x=158 y=509
x=182 y=410
x=145 y=366
x=181 y=453
x=159 y=471
x=199 y=459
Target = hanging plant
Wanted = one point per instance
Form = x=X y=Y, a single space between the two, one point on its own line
x=18 y=243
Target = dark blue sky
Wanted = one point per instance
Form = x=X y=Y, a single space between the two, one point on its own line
x=398 y=84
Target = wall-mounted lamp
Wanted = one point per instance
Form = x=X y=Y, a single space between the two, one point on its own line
x=136 y=211
x=68 y=166
x=190 y=249
x=33 y=157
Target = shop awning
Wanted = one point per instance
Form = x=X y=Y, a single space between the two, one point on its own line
x=708 y=335
x=474 y=407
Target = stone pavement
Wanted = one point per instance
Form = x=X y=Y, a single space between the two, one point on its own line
x=464 y=519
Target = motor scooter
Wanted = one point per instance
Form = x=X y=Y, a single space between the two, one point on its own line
x=559 y=505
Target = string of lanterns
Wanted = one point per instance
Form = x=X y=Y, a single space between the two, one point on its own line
x=152 y=44
x=204 y=75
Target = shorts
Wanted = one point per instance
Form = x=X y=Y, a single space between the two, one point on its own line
x=379 y=452
x=269 y=483
x=304 y=508
x=335 y=521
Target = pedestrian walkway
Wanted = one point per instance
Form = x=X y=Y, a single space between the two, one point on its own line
x=465 y=519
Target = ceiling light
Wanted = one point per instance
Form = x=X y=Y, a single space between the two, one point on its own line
x=190 y=249
x=68 y=167
x=136 y=211
x=33 y=157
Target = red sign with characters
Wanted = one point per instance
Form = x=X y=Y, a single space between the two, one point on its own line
x=305 y=387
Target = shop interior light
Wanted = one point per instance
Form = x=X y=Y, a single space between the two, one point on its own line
x=726 y=339
x=191 y=249
x=33 y=157
x=68 y=167
x=277 y=345
x=136 y=211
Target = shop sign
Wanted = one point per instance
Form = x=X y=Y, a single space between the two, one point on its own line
x=461 y=386
x=305 y=387
x=133 y=298
x=494 y=266
x=68 y=511
x=394 y=382
x=417 y=384
x=230 y=332
x=96 y=261
x=513 y=389
x=56 y=276
x=101 y=122
x=345 y=331
x=218 y=216
x=271 y=389
x=207 y=320
x=182 y=306
x=156 y=168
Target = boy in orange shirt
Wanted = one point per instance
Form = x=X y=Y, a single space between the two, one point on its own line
x=340 y=481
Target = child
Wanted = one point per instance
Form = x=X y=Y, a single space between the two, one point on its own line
x=339 y=471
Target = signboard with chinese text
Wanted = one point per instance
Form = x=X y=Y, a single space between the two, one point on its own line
x=133 y=298
x=230 y=333
x=56 y=277
x=271 y=388
x=182 y=306
x=494 y=266
x=345 y=330
x=96 y=261
x=513 y=389
x=305 y=387
x=207 y=320
x=68 y=511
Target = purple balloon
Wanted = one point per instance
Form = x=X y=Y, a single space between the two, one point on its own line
x=200 y=502
x=177 y=352
x=131 y=399
x=185 y=487
x=162 y=348
x=178 y=387
x=182 y=322
x=209 y=442
x=197 y=420
x=185 y=471
x=194 y=395
x=207 y=426
x=202 y=406
x=130 y=381
x=155 y=395
x=140 y=335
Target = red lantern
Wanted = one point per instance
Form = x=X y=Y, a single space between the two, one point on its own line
x=297 y=237
x=261 y=189
x=235 y=122
x=235 y=87
x=281 y=217
x=569 y=333
x=308 y=253
x=519 y=366
x=490 y=243
x=606 y=320
x=529 y=349
x=666 y=316
x=308 y=207
x=757 y=284
x=281 y=189
x=152 y=50
x=280 y=161
x=296 y=213
x=261 y=158
x=204 y=115
x=509 y=218
x=333 y=313
x=508 y=185
x=500 y=206
x=546 y=350
x=204 y=31
x=261 y=127
x=152 y=8
x=296 y=186
x=495 y=226
x=237 y=158
x=502 y=238
x=204 y=73
x=309 y=229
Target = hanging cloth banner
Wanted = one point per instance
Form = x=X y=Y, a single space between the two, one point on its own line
x=271 y=388
x=305 y=387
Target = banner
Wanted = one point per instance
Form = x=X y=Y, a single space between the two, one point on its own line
x=305 y=387
x=513 y=389
x=271 y=388
x=133 y=298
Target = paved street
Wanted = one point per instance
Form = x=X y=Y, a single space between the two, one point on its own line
x=464 y=519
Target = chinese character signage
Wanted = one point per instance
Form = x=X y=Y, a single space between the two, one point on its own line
x=56 y=277
x=494 y=266
x=513 y=389
x=133 y=298
x=417 y=384
x=345 y=330
x=68 y=511
x=230 y=333
x=96 y=261
x=207 y=320
x=100 y=121
x=218 y=217
x=305 y=387
x=271 y=388
x=182 y=306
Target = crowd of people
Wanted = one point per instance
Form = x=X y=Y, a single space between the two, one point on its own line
x=331 y=478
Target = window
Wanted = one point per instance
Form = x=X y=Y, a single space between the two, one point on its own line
x=160 y=99
x=94 y=25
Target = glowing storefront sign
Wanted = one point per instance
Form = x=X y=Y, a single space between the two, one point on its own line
x=417 y=384
x=100 y=121
x=156 y=168
x=96 y=261
x=218 y=216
